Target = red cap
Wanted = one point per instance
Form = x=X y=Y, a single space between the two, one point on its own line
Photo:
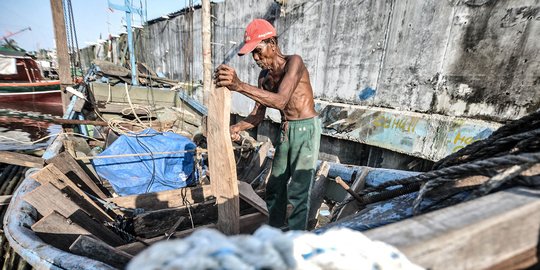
x=256 y=31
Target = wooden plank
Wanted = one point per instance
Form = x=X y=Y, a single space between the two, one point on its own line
x=48 y=199
x=248 y=195
x=317 y=193
x=150 y=224
x=165 y=199
x=21 y=159
x=57 y=230
x=248 y=224
x=69 y=166
x=5 y=199
x=98 y=250
x=221 y=161
x=478 y=234
x=51 y=174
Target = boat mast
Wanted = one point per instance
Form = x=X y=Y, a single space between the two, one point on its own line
x=129 y=9
x=62 y=53
x=206 y=50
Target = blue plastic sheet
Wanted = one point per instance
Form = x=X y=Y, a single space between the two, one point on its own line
x=151 y=173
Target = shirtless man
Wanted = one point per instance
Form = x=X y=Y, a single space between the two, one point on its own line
x=283 y=84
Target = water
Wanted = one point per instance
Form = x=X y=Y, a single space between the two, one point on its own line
x=20 y=125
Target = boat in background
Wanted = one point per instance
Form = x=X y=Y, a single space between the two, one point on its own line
x=21 y=80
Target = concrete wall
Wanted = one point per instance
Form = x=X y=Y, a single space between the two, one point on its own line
x=456 y=66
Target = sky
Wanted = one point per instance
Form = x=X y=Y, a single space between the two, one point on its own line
x=92 y=18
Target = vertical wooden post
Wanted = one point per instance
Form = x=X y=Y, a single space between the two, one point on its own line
x=206 y=50
x=221 y=161
x=62 y=53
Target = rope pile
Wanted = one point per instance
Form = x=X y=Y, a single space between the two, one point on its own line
x=510 y=156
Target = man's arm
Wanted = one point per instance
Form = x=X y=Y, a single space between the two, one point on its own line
x=294 y=69
x=252 y=120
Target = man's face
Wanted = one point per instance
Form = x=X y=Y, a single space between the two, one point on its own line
x=262 y=55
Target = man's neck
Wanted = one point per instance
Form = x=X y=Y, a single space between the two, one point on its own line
x=278 y=64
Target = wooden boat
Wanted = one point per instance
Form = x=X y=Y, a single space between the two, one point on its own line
x=21 y=80
x=462 y=235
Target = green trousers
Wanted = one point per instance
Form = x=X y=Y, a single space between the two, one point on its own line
x=295 y=159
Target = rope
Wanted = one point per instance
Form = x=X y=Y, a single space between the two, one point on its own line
x=503 y=157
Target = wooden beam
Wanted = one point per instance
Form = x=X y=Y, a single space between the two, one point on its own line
x=248 y=195
x=222 y=162
x=61 y=48
x=69 y=167
x=165 y=199
x=21 y=159
x=248 y=224
x=5 y=199
x=48 y=199
x=153 y=223
x=486 y=232
x=317 y=193
x=51 y=174
x=57 y=230
x=98 y=250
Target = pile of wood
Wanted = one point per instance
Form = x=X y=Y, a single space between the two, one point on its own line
x=72 y=215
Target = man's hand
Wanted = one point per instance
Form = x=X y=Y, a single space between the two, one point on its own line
x=226 y=76
x=235 y=133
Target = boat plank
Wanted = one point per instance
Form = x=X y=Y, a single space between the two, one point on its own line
x=57 y=230
x=48 y=199
x=222 y=164
x=165 y=199
x=21 y=159
x=248 y=195
x=51 y=174
x=477 y=234
x=98 y=250
x=69 y=166
x=248 y=224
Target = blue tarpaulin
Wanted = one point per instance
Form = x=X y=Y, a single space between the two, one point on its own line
x=150 y=173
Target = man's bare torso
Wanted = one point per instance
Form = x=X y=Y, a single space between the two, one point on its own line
x=301 y=104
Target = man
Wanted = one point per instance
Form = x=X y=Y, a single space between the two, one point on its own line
x=283 y=84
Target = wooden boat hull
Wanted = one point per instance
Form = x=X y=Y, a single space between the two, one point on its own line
x=38 y=92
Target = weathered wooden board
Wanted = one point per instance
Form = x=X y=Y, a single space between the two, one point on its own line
x=21 y=159
x=317 y=193
x=51 y=174
x=69 y=167
x=486 y=232
x=165 y=199
x=248 y=224
x=248 y=195
x=158 y=222
x=98 y=250
x=57 y=230
x=48 y=199
x=221 y=161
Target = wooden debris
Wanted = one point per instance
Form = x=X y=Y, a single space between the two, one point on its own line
x=153 y=223
x=21 y=159
x=248 y=224
x=48 y=199
x=222 y=162
x=5 y=199
x=57 y=230
x=98 y=250
x=69 y=166
x=317 y=193
x=51 y=174
x=500 y=230
x=248 y=195
x=165 y=199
